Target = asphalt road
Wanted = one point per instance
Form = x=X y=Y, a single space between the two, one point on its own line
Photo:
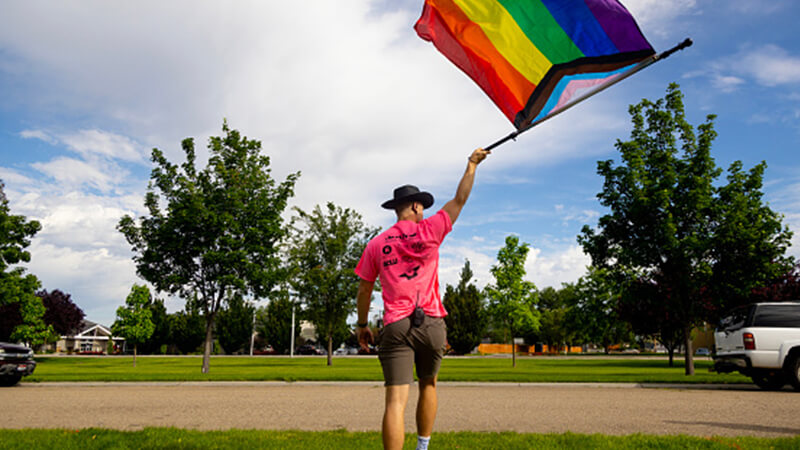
x=537 y=408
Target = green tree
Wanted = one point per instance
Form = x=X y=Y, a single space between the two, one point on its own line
x=212 y=233
x=275 y=322
x=466 y=315
x=512 y=299
x=187 y=330
x=749 y=241
x=595 y=310
x=668 y=224
x=23 y=311
x=160 y=338
x=324 y=251
x=134 y=320
x=235 y=325
x=556 y=329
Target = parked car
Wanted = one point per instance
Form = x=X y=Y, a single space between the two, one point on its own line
x=346 y=351
x=702 y=351
x=761 y=341
x=308 y=350
x=16 y=361
x=268 y=350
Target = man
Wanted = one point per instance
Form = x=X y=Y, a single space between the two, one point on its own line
x=406 y=258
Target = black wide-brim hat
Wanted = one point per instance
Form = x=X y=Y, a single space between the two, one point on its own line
x=409 y=193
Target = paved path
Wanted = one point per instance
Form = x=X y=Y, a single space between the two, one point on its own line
x=538 y=408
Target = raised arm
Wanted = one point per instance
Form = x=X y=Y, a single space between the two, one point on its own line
x=453 y=207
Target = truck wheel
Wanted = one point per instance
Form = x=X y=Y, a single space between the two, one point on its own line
x=9 y=380
x=793 y=372
x=769 y=381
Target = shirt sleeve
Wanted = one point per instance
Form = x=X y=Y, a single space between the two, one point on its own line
x=440 y=225
x=367 y=267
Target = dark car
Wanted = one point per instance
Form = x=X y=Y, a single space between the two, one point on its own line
x=308 y=350
x=16 y=361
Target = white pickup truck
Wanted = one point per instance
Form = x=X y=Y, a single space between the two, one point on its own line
x=762 y=341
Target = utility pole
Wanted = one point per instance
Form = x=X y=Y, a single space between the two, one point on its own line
x=291 y=346
x=253 y=331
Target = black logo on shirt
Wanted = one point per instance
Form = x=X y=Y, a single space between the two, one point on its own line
x=387 y=249
x=401 y=236
x=412 y=273
x=390 y=262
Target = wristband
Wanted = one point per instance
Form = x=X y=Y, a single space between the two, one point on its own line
x=362 y=325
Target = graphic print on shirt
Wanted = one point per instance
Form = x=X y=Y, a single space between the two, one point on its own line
x=411 y=264
x=411 y=274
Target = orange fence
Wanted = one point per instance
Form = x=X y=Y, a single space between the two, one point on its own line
x=523 y=348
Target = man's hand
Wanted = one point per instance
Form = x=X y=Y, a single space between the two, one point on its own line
x=365 y=337
x=454 y=206
x=478 y=155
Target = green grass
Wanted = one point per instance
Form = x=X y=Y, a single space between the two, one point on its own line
x=528 y=370
x=177 y=438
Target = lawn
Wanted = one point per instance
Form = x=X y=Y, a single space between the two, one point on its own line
x=263 y=368
x=178 y=438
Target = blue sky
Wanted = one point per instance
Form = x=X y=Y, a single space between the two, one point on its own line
x=348 y=94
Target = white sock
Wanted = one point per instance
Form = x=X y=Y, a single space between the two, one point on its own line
x=422 y=442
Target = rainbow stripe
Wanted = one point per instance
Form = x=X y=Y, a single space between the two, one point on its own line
x=532 y=56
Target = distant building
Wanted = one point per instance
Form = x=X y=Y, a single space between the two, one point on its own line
x=92 y=338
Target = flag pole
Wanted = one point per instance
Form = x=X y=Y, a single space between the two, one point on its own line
x=643 y=64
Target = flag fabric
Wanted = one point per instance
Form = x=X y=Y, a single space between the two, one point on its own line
x=532 y=57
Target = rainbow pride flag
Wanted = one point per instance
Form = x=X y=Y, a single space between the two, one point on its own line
x=532 y=57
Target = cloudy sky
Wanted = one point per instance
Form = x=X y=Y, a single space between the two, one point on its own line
x=346 y=93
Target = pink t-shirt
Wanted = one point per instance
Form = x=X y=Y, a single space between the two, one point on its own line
x=406 y=257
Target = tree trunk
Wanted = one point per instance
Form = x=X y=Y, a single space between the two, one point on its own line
x=671 y=351
x=134 y=355
x=688 y=357
x=330 y=348
x=513 y=353
x=208 y=344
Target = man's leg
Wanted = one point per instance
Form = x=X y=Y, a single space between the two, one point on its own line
x=393 y=425
x=426 y=407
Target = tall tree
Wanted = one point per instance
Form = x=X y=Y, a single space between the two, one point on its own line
x=17 y=289
x=275 y=323
x=466 y=314
x=784 y=288
x=596 y=309
x=61 y=312
x=644 y=304
x=212 y=233
x=160 y=339
x=325 y=248
x=556 y=328
x=670 y=225
x=511 y=298
x=134 y=320
x=187 y=330
x=235 y=325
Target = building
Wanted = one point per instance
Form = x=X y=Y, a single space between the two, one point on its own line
x=92 y=338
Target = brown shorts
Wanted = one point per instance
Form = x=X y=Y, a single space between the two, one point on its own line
x=401 y=346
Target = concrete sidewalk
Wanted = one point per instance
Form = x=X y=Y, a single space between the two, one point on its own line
x=537 y=408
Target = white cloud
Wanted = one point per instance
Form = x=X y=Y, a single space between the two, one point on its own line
x=98 y=280
x=726 y=83
x=74 y=173
x=92 y=143
x=554 y=268
x=658 y=17
x=14 y=178
x=767 y=65
x=38 y=134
